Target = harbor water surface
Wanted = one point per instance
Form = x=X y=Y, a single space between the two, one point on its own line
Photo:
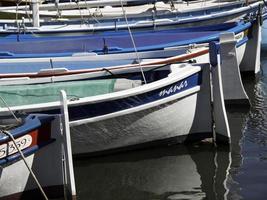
x=195 y=171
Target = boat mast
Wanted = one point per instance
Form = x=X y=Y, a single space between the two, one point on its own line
x=35 y=13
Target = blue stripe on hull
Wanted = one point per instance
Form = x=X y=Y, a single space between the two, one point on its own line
x=103 y=108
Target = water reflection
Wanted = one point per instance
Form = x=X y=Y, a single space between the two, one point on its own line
x=237 y=120
x=252 y=175
x=176 y=172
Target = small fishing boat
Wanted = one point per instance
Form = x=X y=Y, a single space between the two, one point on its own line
x=109 y=49
x=181 y=19
x=121 y=112
x=84 y=62
x=104 y=9
x=68 y=4
x=25 y=46
x=31 y=157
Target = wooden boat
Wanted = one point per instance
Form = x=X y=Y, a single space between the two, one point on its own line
x=230 y=71
x=172 y=88
x=67 y=5
x=27 y=67
x=63 y=74
x=157 y=22
x=86 y=9
x=239 y=46
x=31 y=154
x=115 y=42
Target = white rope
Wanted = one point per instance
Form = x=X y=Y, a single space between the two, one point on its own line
x=13 y=114
x=91 y=14
x=27 y=165
x=136 y=53
x=17 y=8
x=57 y=7
x=80 y=12
x=26 y=10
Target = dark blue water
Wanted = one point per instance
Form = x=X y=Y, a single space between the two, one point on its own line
x=196 y=171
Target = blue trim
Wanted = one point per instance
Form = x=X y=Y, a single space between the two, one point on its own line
x=213 y=52
x=32 y=122
x=241 y=42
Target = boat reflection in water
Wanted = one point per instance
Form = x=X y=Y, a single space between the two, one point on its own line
x=175 y=172
x=195 y=171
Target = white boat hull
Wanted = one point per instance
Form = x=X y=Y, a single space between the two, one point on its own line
x=173 y=119
x=16 y=182
x=181 y=117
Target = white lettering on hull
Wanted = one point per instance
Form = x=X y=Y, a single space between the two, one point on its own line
x=173 y=89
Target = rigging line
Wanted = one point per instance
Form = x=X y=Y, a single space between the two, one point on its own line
x=17 y=7
x=91 y=15
x=79 y=8
x=29 y=17
x=26 y=11
x=26 y=163
x=87 y=18
x=57 y=8
x=136 y=53
x=18 y=2
x=13 y=114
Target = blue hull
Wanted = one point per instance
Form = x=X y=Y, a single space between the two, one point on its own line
x=116 y=42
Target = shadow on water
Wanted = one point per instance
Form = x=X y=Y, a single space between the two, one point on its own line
x=175 y=172
x=197 y=171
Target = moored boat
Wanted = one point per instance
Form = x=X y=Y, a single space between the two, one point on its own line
x=117 y=42
x=190 y=19
x=31 y=158
x=104 y=9
x=179 y=88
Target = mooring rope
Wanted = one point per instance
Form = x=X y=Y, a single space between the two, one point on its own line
x=80 y=12
x=20 y=152
x=135 y=49
x=18 y=2
x=13 y=114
